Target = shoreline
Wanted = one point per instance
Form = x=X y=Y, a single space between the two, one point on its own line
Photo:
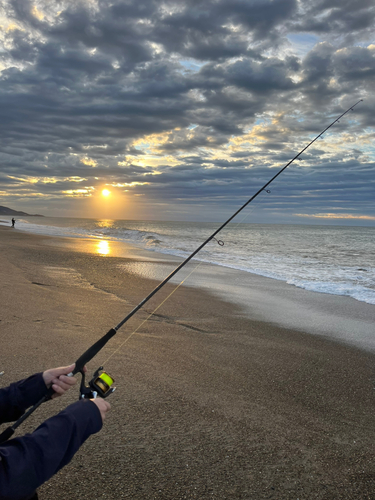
x=305 y=280
x=337 y=317
x=209 y=403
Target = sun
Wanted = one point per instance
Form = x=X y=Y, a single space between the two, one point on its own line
x=106 y=192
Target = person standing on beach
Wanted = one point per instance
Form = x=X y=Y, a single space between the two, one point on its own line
x=27 y=462
x=13 y=221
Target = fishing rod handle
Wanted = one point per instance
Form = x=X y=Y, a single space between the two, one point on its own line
x=5 y=435
x=93 y=351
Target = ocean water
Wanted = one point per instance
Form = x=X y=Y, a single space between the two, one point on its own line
x=328 y=259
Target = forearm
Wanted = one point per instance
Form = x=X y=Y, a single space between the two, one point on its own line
x=29 y=461
x=16 y=398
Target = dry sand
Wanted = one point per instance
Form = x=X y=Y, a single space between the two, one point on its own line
x=210 y=404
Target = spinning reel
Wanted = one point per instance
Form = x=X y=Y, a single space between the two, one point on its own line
x=99 y=385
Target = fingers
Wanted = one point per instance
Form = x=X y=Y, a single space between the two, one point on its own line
x=49 y=375
x=102 y=405
x=58 y=379
x=63 y=370
x=58 y=390
x=64 y=383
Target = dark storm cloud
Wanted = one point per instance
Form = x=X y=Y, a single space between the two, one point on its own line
x=204 y=30
x=336 y=19
x=104 y=91
x=263 y=77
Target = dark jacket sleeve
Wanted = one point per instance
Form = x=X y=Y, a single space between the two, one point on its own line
x=29 y=461
x=16 y=398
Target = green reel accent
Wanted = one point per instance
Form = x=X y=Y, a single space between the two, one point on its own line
x=103 y=382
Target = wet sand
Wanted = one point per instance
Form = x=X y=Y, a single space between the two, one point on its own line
x=211 y=401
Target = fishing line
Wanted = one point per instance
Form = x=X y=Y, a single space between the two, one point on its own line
x=98 y=345
x=153 y=312
x=221 y=243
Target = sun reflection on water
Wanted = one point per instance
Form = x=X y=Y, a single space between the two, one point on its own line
x=103 y=247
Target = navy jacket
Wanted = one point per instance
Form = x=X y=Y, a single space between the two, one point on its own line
x=27 y=462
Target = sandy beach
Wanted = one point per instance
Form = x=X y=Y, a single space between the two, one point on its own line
x=214 y=400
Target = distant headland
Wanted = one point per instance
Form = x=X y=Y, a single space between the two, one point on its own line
x=9 y=211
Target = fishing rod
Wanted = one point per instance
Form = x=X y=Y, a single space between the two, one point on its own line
x=101 y=383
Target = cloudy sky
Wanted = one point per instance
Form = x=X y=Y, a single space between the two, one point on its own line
x=183 y=109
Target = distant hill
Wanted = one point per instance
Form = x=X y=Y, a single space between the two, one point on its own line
x=9 y=211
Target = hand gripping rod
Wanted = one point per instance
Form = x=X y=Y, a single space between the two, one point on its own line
x=95 y=348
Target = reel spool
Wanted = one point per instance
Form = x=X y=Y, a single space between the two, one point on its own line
x=99 y=385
